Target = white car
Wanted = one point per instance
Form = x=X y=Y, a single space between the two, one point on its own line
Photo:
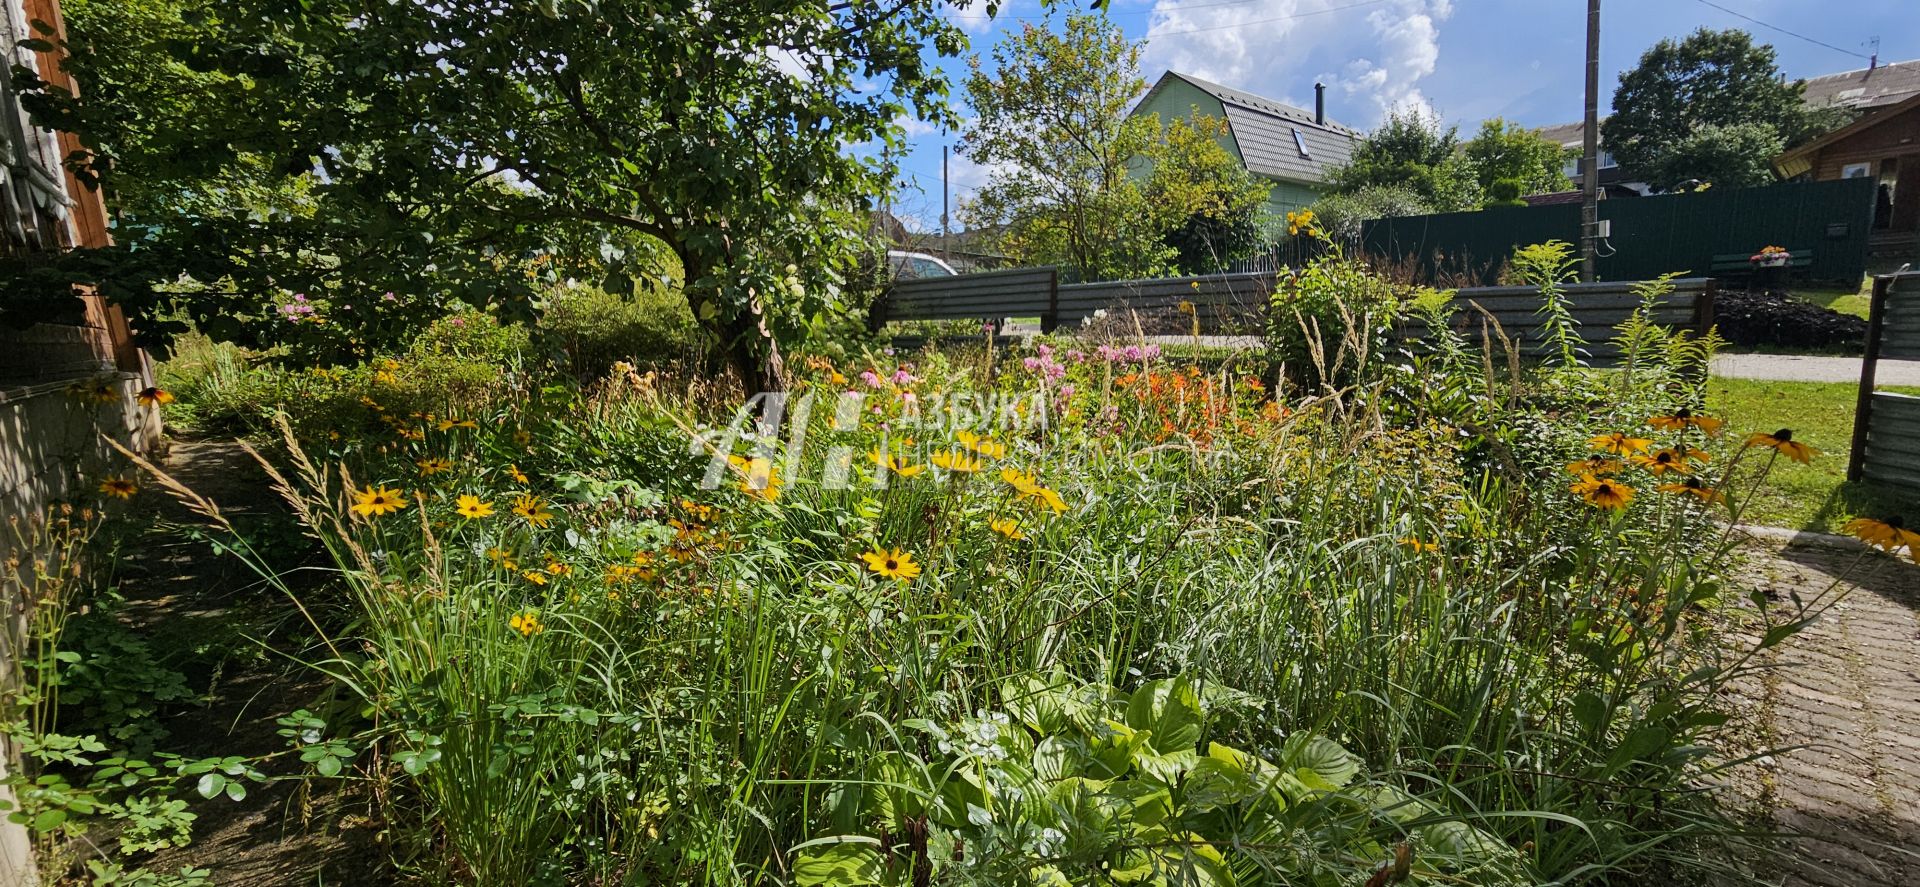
x=911 y=266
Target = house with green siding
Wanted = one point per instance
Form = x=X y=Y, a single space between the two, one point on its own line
x=1291 y=148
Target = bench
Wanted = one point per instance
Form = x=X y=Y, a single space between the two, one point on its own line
x=1732 y=264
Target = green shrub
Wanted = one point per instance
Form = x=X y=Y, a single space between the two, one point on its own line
x=591 y=329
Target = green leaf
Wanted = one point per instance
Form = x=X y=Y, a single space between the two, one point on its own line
x=1321 y=757
x=1170 y=710
x=210 y=785
x=839 y=864
x=328 y=766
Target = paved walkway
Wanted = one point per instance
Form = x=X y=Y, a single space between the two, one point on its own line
x=1844 y=699
x=1799 y=368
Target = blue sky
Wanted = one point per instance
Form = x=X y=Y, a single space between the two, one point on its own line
x=1467 y=59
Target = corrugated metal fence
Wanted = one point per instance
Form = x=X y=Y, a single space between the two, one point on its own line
x=1705 y=233
x=1228 y=304
x=1886 y=426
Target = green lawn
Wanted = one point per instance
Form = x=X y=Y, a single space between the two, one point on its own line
x=1845 y=301
x=1812 y=497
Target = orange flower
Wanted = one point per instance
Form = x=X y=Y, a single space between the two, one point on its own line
x=1682 y=419
x=1692 y=486
x=154 y=397
x=1604 y=492
x=1620 y=444
x=1783 y=443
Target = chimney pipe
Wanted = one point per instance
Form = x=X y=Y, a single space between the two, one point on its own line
x=1320 y=103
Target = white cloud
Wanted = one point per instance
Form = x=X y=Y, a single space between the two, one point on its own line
x=914 y=127
x=1374 y=59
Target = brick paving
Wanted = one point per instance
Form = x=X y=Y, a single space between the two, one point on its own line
x=1844 y=701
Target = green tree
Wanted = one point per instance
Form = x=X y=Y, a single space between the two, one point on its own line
x=1342 y=215
x=474 y=150
x=1051 y=123
x=1214 y=210
x=1410 y=150
x=1689 y=102
x=1509 y=161
x=1733 y=156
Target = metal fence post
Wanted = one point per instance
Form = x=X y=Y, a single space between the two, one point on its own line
x=1863 y=407
x=1051 y=321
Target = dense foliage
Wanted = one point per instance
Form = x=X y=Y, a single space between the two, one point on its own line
x=565 y=138
x=1510 y=161
x=1085 y=616
x=1712 y=107
x=1077 y=182
x=1410 y=150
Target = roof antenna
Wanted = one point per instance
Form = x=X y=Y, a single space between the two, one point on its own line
x=1873 y=61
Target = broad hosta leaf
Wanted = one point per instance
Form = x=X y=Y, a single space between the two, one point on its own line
x=1058 y=757
x=1171 y=710
x=840 y=864
x=1320 y=756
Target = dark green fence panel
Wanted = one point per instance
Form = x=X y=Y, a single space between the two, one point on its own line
x=1886 y=426
x=1651 y=236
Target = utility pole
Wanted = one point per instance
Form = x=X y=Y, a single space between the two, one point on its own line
x=1590 y=160
x=945 y=188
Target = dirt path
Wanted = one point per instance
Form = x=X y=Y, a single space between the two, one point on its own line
x=233 y=636
x=1847 y=692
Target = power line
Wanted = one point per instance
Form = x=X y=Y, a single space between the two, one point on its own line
x=1742 y=15
x=1264 y=21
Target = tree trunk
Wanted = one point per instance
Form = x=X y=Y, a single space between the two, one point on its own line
x=743 y=338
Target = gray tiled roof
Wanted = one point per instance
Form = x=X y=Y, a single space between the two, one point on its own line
x=1888 y=84
x=1265 y=131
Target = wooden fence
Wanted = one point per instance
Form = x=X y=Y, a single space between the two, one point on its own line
x=1225 y=304
x=1886 y=426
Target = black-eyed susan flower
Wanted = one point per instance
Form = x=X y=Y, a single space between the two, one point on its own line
x=472 y=507
x=1674 y=459
x=503 y=559
x=1604 y=492
x=987 y=447
x=375 y=501
x=892 y=463
x=1596 y=465
x=519 y=477
x=450 y=424
x=896 y=564
x=527 y=623
x=1783 y=443
x=1889 y=534
x=1047 y=497
x=432 y=466
x=1683 y=419
x=1419 y=545
x=1620 y=444
x=523 y=437
x=1007 y=527
x=530 y=509
x=154 y=397
x=758 y=477
x=535 y=576
x=1692 y=486
x=698 y=512
x=119 y=487
x=955 y=461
